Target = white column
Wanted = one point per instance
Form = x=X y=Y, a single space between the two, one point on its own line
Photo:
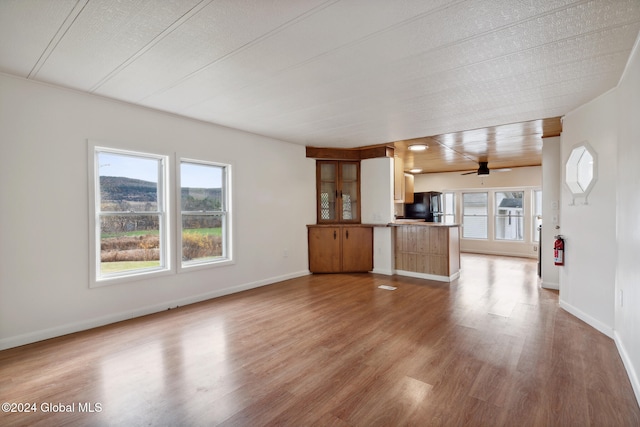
x=551 y=185
x=376 y=191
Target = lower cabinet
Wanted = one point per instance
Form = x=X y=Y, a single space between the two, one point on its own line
x=340 y=249
x=432 y=250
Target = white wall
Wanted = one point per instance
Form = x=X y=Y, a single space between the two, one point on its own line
x=525 y=178
x=44 y=249
x=587 y=279
x=600 y=282
x=551 y=184
x=627 y=313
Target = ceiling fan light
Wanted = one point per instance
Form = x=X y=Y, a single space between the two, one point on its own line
x=483 y=169
x=418 y=147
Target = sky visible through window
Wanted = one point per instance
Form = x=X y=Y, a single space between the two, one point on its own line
x=120 y=165
x=192 y=175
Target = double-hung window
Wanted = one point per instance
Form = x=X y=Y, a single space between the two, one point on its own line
x=537 y=214
x=474 y=215
x=133 y=233
x=204 y=205
x=131 y=225
x=449 y=208
x=509 y=215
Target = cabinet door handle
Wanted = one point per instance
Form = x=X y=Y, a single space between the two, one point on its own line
x=334 y=235
x=347 y=234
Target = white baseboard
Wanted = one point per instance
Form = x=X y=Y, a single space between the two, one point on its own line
x=383 y=271
x=595 y=323
x=427 y=276
x=70 y=328
x=549 y=285
x=499 y=253
x=626 y=360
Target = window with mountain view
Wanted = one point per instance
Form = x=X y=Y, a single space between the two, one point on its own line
x=130 y=223
x=132 y=199
x=204 y=209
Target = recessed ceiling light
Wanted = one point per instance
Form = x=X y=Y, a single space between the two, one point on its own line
x=415 y=170
x=418 y=147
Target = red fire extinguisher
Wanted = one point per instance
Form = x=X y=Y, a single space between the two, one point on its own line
x=558 y=251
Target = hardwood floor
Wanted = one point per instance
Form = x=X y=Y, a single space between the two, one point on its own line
x=490 y=349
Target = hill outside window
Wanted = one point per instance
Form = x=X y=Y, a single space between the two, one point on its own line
x=130 y=206
x=133 y=233
x=204 y=212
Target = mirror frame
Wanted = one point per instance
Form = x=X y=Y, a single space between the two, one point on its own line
x=575 y=168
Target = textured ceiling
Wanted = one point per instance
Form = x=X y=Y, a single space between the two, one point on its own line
x=328 y=73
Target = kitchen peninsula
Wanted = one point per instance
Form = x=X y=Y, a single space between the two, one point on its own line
x=341 y=242
x=426 y=250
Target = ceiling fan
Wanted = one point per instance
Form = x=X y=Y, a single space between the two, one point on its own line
x=483 y=169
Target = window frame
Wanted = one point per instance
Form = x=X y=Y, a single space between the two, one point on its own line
x=486 y=215
x=446 y=214
x=170 y=230
x=226 y=213
x=497 y=216
x=96 y=279
x=536 y=215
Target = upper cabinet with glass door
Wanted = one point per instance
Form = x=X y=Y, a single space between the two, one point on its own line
x=338 y=191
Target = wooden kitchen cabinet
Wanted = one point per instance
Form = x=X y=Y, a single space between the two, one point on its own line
x=408 y=188
x=402 y=183
x=398 y=180
x=340 y=248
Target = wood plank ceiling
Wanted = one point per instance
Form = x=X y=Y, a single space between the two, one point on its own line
x=332 y=73
x=504 y=146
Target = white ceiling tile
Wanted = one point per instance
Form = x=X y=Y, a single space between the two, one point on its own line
x=326 y=72
x=26 y=28
x=105 y=35
x=307 y=40
x=216 y=33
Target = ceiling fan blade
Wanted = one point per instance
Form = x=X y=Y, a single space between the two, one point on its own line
x=469 y=173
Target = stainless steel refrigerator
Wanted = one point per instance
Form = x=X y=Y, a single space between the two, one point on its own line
x=426 y=205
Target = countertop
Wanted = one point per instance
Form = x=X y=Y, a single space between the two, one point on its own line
x=396 y=223
x=345 y=224
x=420 y=222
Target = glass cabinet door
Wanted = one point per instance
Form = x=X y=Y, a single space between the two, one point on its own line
x=327 y=191
x=349 y=192
x=338 y=191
